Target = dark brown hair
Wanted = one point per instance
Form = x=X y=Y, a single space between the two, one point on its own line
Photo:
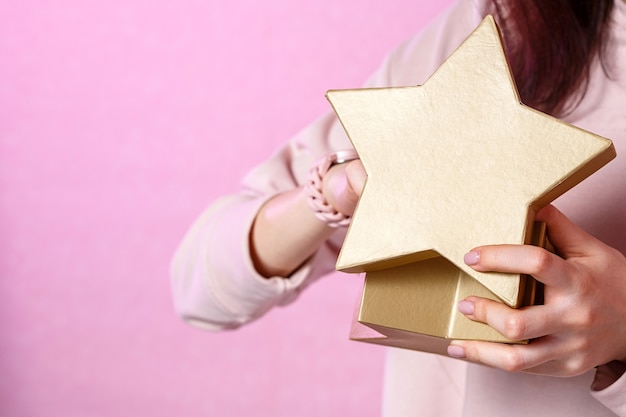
x=551 y=45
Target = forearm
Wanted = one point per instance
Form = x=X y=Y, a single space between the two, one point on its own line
x=285 y=233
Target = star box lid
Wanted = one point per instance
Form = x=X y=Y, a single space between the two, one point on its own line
x=457 y=163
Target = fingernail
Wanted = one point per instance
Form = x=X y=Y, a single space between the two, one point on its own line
x=456 y=351
x=466 y=307
x=471 y=258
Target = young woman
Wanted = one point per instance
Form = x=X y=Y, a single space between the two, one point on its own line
x=244 y=255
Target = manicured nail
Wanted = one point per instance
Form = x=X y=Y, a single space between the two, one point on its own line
x=471 y=258
x=456 y=351
x=466 y=307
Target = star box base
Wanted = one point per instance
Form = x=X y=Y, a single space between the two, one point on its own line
x=423 y=315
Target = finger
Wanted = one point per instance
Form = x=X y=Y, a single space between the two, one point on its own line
x=521 y=259
x=515 y=324
x=537 y=357
x=511 y=358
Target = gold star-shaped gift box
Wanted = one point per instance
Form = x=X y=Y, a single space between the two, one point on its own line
x=455 y=163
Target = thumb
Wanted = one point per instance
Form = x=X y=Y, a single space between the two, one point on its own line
x=567 y=238
x=339 y=188
x=355 y=172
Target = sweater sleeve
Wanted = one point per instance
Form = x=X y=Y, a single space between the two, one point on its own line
x=609 y=387
x=214 y=282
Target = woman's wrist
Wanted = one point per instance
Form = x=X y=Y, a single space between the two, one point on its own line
x=284 y=234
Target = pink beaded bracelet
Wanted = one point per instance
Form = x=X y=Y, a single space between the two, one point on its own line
x=313 y=189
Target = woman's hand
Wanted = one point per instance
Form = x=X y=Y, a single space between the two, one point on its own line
x=343 y=185
x=582 y=323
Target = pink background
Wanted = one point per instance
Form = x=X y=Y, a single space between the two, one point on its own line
x=120 y=120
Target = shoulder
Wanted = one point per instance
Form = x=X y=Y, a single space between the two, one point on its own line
x=418 y=57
